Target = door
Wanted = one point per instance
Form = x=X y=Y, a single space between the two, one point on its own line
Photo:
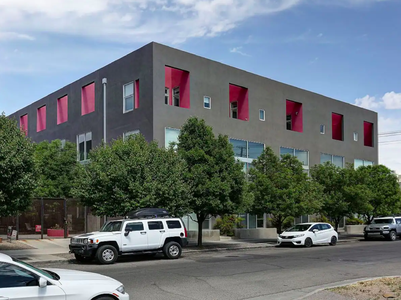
x=135 y=237
x=327 y=233
x=398 y=225
x=17 y=283
x=156 y=234
x=318 y=235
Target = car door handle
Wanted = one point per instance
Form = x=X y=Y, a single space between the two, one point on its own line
x=162 y=231
x=143 y=232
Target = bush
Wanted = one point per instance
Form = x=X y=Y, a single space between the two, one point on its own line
x=353 y=221
x=227 y=224
x=288 y=222
x=322 y=219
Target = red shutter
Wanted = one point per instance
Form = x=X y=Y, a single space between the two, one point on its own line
x=23 y=124
x=41 y=119
x=62 y=110
x=136 y=94
x=88 y=99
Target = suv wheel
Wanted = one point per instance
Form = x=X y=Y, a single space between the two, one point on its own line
x=172 y=250
x=107 y=254
x=392 y=236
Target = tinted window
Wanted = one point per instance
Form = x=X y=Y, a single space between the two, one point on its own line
x=137 y=226
x=398 y=221
x=314 y=227
x=325 y=226
x=14 y=276
x=111 y=226
x=173 y=224
x=155 y=225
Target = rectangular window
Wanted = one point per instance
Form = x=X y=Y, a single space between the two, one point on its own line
x=240 y=148
x=234 y=110
x=136 y=94
x=173 y=224
x=238 y=102
x=322 y=129
x=88 y=99
x=255 y=149
x=261 y=114
x=284 y=151
x=355 y=136
x=207 y=102
x=128 y=97
x=134 y=226
x=294 y=116
x=62 y=110
x=41 y=119
x=368 y=134
x=360 y=162
x=302 y=156
x=326 y=158
x=84 y=146
x=336 y=160
x=337 y=126
x=62 y=144
x=155 y=225
x=176 y=96
x=23 y=124
x=127 y=134
x=289 y=122
x=259 y=221
x=167 y=96
x=171 y=136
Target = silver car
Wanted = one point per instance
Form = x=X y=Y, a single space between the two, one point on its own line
x=388 y=227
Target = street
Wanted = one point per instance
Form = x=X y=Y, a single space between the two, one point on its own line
x=267 y=273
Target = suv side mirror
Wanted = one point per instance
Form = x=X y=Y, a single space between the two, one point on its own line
x=126 y=233
x=42 y=282
x=315 y=230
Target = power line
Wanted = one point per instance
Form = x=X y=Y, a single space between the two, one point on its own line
x=390 y=133
x=389 y=142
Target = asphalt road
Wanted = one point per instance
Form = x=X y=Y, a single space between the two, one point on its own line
x=268 y=273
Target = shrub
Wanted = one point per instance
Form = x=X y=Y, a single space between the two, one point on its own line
x=227 y=224
x=353 y=221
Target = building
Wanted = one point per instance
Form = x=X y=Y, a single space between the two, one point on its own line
x=154 y=90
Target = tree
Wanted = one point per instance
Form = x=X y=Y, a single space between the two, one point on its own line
x=17 y=180
x=132 y=174
x=215 y=179
x=338 y=202
x=56 y=168
x=377 y=191
x=282 y=189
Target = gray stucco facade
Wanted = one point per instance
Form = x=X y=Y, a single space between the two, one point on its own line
x=207 y=78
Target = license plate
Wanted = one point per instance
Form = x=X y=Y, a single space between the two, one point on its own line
x=385 y=232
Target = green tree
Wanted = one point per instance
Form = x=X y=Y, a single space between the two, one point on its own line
x=56 y=168
x=282 y=189
x=215 y=179
x=338 y=202
x=17 y=180
x=376 y=191
x=132 y=174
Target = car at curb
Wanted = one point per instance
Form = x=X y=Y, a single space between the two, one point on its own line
x=308 y=234
x=387 y=227
x=19 y=280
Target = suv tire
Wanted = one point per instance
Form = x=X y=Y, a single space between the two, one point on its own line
x=107 y=254
x=392 y=236
x=172 y=250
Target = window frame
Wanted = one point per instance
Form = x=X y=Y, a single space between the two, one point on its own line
x=129 y=133
x=177 y=88
x=234 y=109
x=288 y=120
x=355 y=136
x=166 y=95
x=264 y=115
x=134 y=222
x=322 y=129
x=127 y=96
x=210 y=102
x=332 y=159
x=160 y=222
x=85 y=142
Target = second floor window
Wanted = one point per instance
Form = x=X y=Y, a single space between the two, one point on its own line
x=84 y=142
x=128 y=97
x=289 y=122
x=234 y=110
x=176 y=96
x=167 y=96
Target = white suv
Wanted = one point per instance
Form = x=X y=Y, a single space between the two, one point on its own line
x=129 y=236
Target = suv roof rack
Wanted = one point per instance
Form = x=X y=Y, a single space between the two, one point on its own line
x=148 y=213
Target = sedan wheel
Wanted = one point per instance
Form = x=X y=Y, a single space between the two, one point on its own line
x=308 y=242
x=333 y=241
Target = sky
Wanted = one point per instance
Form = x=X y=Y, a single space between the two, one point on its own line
x=345 y=49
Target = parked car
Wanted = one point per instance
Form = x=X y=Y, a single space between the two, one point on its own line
x=308 y=234
x=131 y=236
x=19 y=280
x=387 y=227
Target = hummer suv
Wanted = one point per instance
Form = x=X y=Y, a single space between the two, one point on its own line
x=388 y=227
x=130 y=236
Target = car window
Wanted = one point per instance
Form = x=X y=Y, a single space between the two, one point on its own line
x=173 y=224
x=111 y=226
x=398 y=221
x=135 y=226
x=382 y=221
x=316 y=226
x=299 y=227
x=155 y=225
x=15 y=276
x=325 y=226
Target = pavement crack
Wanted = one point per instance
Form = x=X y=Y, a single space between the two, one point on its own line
x=171 y=293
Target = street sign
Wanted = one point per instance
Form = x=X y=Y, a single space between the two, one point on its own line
x=38 y=228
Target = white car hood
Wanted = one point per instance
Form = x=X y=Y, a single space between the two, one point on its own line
x=288 y=233
x=97 y=234
x=72 y=276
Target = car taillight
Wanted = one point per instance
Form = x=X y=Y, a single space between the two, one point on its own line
x=185 y=230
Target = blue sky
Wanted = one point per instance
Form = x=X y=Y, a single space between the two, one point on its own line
x=345 y=49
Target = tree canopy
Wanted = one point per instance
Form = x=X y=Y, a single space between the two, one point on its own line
x=17 y=168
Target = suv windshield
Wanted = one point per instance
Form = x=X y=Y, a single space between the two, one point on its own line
x=382 y=221
x=299 y=227
x=111 y=226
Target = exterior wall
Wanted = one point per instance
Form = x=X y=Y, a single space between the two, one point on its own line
x=209 y=78
x=136 y=65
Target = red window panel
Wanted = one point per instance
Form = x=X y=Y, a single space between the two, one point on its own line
x=294 y=116
x=23 y=124
x=136 y=94
x=337 y=126
x=88 y=99
x=239 y=95
x=368 y=134
x=62 y=110
x=41 y=119
x=178 y=80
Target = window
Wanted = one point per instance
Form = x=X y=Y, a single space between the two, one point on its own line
x=294 y=116
x=334 y=159
x=171 y=136
x=23 y=124
x=62 y=110
x=301 y=155
x=155 y=225
x=12 y=276
x=127 y=134
x=360 y=162
x=207 y=102
x=240 y=148
x=84 y=144
x=128 y=97
x=289 y=122
x=136 y=94
x=134 y=226
x=176 y=96
x=355 y=136
x=337 y=126
x=234 y=110
x=88 y=99
x=261 y=114
x=368 y=134
x=62 y=144
x=255 y=149
x=173 y=224
x=322 y=129
x=41 y=119
x=166 y=96
x=259 y=221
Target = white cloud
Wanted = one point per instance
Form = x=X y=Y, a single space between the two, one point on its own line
x=391 y=100
x=238 y=50
x=390 y=145
x=368 y=102
x=6 y=36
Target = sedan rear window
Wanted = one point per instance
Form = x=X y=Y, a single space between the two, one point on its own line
x=174 y=224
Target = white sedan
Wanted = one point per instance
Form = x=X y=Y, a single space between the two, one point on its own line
x=19 y=280
x=308 y=234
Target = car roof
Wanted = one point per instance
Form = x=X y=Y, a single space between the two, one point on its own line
x=146 y=219
x=5 y=257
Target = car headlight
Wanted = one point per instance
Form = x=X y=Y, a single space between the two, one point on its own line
x=85 y=241
x=299 y=235
x=121 y=289
x=385 y=227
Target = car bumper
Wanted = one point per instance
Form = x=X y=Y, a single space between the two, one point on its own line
x=295 y=241
x=374 y=233
x=123 y=296
x=83 y=250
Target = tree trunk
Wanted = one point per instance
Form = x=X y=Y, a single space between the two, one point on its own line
x=279 y=224
x=201 y=219
x=336 y=223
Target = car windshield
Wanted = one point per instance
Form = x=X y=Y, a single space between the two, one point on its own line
x=299 y=227
x=48 y=274
x=111 y=226
x=382 y=221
